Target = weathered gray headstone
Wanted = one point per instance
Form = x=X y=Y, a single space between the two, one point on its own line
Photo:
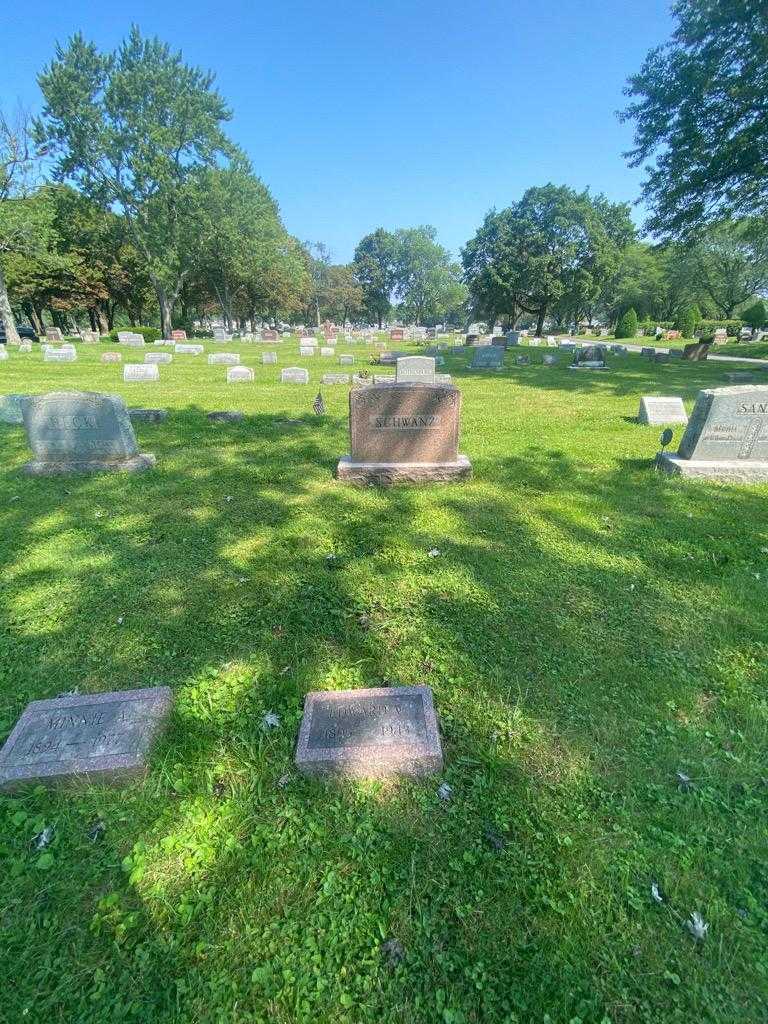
x=491 y=357
x=240 y=375
x=182 y=349
x=404 y=433
x=726 y=437
x=655 y=411
x=3 y=353
x=549 y=360
x=158 y=357
x=52 y=334
x=294 y=375
x=335 y=378
x=25 y=347
x=59 y=355
x=415 y=369
x=112 y=357
x=370 y=733
x=226 y=416
x=513 y=337
x=307 y=350
x=80 y=432
x=327 y=350
x=10 y=409
x=224 y=359
x=93 y=737
x=346 y=360
x=140 y=372
x=268 y=357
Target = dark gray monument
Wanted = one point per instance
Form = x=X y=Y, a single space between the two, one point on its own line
x=80 y=432
x=490 y=357
x=591 y=357
x=370 y=733
x=726 y=437
x=104 y=736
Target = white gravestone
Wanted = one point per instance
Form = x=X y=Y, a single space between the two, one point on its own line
x=268 y=357
x=158 y=357
x=140 y=371
x=307 y=350
x=327 y=351
x=59 y=355
x=346 y=360
x=224 y=359
x=335 y=378
x=3 y=353
x=111 y=357
x=182 y=349
x=415 y=370
x=655 y=411
x=294 y=375
x=239 y=375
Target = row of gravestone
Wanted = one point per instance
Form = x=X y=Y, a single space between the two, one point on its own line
x=369 y=733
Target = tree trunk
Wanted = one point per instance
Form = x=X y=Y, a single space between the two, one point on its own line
x=166 y=311
x=31 y=312
x=540 y=322
x=92 y=318
x=6 y=314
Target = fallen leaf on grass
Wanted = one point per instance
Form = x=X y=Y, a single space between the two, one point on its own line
x=683 y=781
x=270 y=720
x=43 y=839
x=656 y=894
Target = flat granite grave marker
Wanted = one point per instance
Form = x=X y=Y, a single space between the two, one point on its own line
x=655 y=411
x=726 y=437
x=346 y=360
x=404 y=433
x=294 y=375
x=327 y=350
x=148 y=415
x=141 y=372
x=188 y=350
x=335 y=378
x=158 y=357
x=80 y=432
x=491 y=357
x=240 y=375
x=268 y=357
x=415 y=369
x=370 y=733
x=96 y=737
x=112 y=357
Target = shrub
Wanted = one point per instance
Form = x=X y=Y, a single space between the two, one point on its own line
x=708 y=327
x=687 y=321
x=627 y=325
x=756 y=315
x=149 y=334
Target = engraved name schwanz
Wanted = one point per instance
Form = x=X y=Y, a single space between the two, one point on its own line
x=420 y=422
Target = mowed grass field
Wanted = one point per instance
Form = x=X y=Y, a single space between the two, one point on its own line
x=589 y=628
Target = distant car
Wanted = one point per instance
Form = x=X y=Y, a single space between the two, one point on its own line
x=24 y=332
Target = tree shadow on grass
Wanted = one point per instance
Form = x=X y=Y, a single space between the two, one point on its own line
x=558 y=591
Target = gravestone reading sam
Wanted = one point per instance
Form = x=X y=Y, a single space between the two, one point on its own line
x=370 y=733
x=80 y=432
x=726 y=437
x=655 y=411
x=103 y=736
x=404 y=433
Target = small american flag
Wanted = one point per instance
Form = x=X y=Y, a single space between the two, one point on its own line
x=319 y=405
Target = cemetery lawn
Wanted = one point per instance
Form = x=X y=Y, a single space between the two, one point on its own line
x=595 y=636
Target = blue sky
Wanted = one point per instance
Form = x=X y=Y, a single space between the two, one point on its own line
x=361 y=115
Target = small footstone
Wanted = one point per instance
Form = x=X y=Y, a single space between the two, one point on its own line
x=226 y=417
x=105 y=736
x=370 y=733
x=148 y=415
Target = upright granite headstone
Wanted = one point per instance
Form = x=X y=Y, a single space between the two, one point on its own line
x=3 y=353
x=327 y=350
x=80 y=432
x=655 y=411
x=10 y=409
x=224 y=359
x=294 y=375
x=140 y=372
x=513 y=338
x=178 y=335
x=59 y=355
x=415 y=369
x=112 y=357
x=307 y=350
x=94 y=737
x=370 y=733
x=404 y=433
x=346 y=360
x=591 y=357
x=240 y=375
x=726 y=437
x=52 y=334
x=158 y=357
x=182 y=349
x=489 y=358
x=268 y=357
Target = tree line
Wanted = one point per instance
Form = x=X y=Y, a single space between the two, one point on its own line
x=125 y=199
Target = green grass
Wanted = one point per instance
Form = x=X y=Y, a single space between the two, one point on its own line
x=589 y=629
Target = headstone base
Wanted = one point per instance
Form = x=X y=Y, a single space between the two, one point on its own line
x=134 y=464
x=728 y=470
x=588 y=366
x=387 y=473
